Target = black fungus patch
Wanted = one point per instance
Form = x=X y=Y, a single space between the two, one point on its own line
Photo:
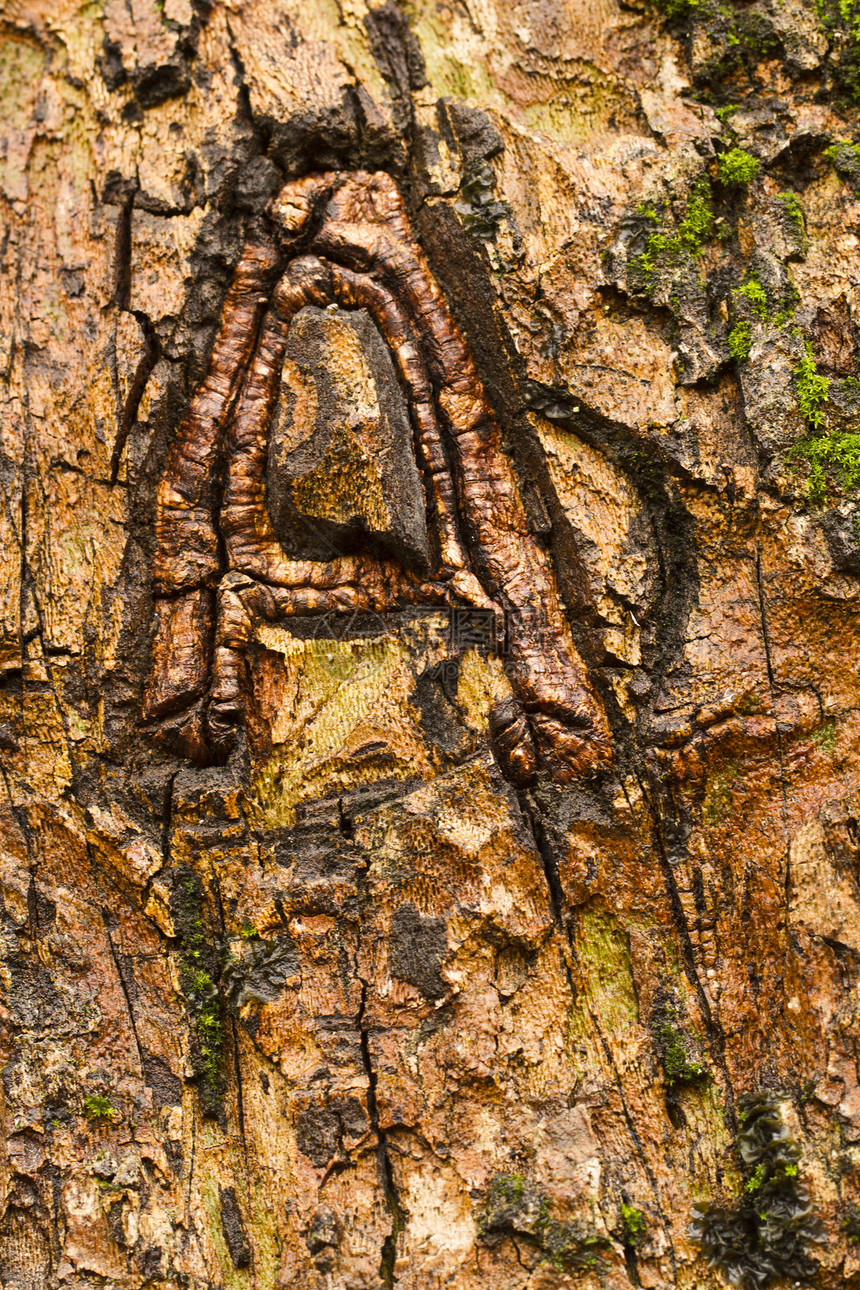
x=418 y=947
x=234 y=1229
x=166 y=1087
x=763 y=1236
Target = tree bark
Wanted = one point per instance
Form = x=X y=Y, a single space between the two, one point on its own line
x=429 y=577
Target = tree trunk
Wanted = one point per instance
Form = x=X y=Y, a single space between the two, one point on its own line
x=430 y=571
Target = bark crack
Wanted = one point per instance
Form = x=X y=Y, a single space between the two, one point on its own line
x=771 y=680
x=383 y=1158
x=717 y=1041
x=556 y=897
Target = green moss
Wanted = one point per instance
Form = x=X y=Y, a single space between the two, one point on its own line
x=737 y=167
x=823 y=451
x=647 y=210
x=839 y=452
x=740 y=341
x=676 y=10
x=697 y=226
x=671 y=252
x=794 y=210
x=754 y=293
x=682 y=1063
x=98 y=1107
x=247 y=931
x=845 y=160
x=659 y=247
x=728 y=109
x=633 y=1221
x=813 y=390
x=199 y=970
x=679 y=1069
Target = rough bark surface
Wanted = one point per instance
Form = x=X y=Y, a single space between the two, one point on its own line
x=328 y=960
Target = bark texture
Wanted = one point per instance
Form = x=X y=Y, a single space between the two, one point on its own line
x=350 y=939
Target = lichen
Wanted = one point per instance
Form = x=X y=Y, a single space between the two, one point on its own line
x=764 y=1234
x=718 y=794
x=824 y=737
x=515 y=1206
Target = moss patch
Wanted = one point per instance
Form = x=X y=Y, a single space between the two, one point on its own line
x=740 y=342
x=754 y=293
x=199 y=971
x=633 y=1223
x=679 y=1050
x=737 y=167
x=833 y=451
x=845 y=160
x=813 y=390
x=697 y=225
x=98 y=1107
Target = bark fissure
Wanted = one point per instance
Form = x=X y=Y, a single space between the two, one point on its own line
x=780 y=749
x=716 y=1034
x=388 y=1254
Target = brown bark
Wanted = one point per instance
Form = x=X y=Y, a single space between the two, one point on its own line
x=471 y=897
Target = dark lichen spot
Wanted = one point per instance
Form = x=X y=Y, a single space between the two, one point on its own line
x=418 y=947
x=263 y=970
x=514 y=1206
x=323 y=1238
x=320 y=1129
x=166 y=1087
x=233 y=1228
